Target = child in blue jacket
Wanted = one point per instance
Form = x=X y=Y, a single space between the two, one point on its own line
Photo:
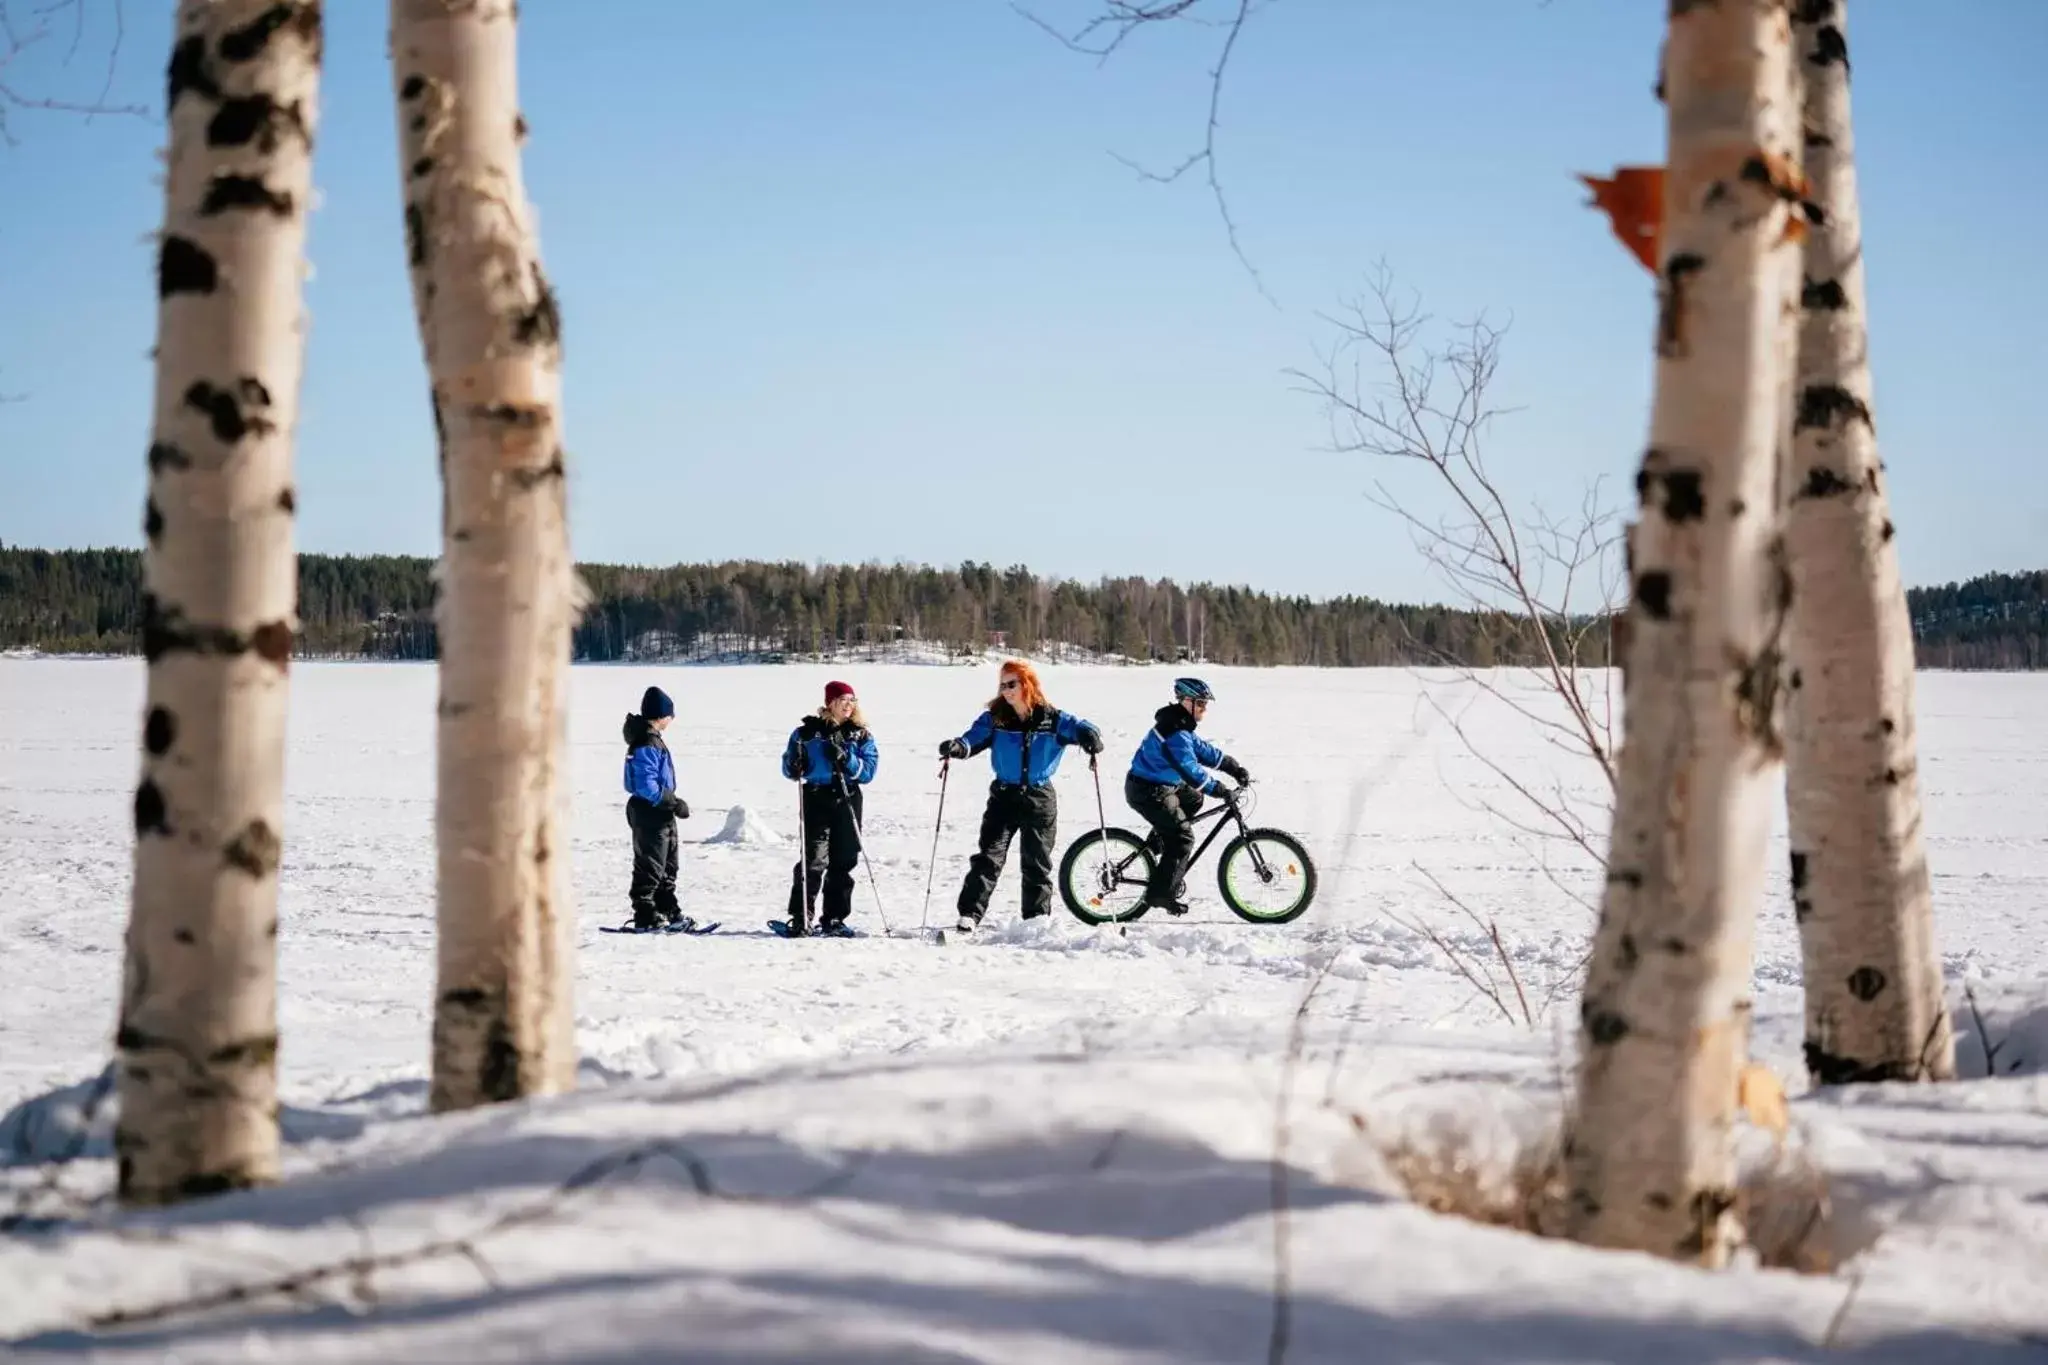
x=1166 y=785
x=832 y=755
x=1025 y=736
x=652 y=809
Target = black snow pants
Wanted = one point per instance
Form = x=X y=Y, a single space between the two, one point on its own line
x=1171 y=812
x=655 y=864
x=1033 y=812
x=831 y=851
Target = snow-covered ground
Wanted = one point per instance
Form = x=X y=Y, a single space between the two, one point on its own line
x=1052 y=1144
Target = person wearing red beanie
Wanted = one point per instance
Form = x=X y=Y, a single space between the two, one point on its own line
x=831 y=756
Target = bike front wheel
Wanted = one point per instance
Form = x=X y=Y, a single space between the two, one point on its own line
x=1266 y=876
x=1103 y=876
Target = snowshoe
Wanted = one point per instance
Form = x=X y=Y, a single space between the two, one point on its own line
x=783 y=928
x=837 y=929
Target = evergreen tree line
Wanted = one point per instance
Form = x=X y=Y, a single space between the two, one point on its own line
x=381 y=607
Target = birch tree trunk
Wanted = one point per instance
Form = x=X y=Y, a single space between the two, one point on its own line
x=503 y=1020
x=1874 y=1007
x=197 y=1039
x=1665 y=1019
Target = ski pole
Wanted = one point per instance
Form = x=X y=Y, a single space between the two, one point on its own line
x=860 y=845
x=803 y=852
x=924 y=921
x=1101 y=823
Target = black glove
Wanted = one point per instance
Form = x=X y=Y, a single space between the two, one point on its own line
x=1235 y=770
x=678 y=807
x=813 y=726
x=1091 y=740
x=952 y=748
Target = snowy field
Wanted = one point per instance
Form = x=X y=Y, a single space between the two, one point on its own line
x=1052 y=1144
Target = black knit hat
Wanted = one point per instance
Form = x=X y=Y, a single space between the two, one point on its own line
x=655 y=704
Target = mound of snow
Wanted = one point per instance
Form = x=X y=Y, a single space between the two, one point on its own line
x=742 y=826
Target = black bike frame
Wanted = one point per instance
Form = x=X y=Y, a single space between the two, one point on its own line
x=1216 y=813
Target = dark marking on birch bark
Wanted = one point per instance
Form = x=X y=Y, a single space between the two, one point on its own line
x=159 y=732
x=151 y=815
x=1829 y=405
x=257 y=119
x=224 y=408
x=1684 y=497
x=152 y=521
x=423 y=167
x=1777 y=175
x=247 y=43
x=1653 y=592
x=258 y=1051
x=243 y=192
x=1756 y=697
x=1831 y=1068
x=1677 y=947
x=1830 y=45
x=163 y=456
x=519 y=416
x=1887 y=531
x=1671 y=300
x=1659 y=1200
x=1887 y=724
x=184 y=936
x=1627 y=957
x=1802 y=904
x=502 y=1064
x=554 y=471
x=167 y=630
x=1816 y=213
x=1798 y=680
x=519 y=128
x=415 y=236
x=1625 y=876
x=540 y=325
x=1826 y=296
x=1867 y=983
x=272 y=642
x=1708 y=1207
x=185 y=267
x=418 y=124
x=415 y=86
x=188 y=73
x=1605 y=1028
x=287 y=501
x=255 y=850
x=1823 y=482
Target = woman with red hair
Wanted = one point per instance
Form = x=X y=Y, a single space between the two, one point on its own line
x=1025 y=735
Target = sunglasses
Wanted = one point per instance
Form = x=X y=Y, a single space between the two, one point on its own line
x=1012 y=685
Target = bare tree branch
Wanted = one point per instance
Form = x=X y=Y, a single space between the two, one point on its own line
x=22 y=32
x=1100 y=37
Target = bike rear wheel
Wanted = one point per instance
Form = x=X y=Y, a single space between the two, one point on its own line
x=1103 y=876
x=1266 y=876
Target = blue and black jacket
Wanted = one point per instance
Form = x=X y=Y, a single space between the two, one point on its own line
x=819 y=753
x=650 y=768
x=1025 y=751
x=1173 y=754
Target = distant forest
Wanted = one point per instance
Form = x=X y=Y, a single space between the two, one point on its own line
x=381 y=607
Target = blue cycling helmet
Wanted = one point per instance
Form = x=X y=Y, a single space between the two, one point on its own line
x=1193 y=689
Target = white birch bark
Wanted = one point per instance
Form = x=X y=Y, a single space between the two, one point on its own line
x=196 y=1045
x=503 y=1020
x=1874 y=1007
x=1665 y=1019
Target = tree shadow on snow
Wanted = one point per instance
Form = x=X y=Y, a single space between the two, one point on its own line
x=1068 y=1304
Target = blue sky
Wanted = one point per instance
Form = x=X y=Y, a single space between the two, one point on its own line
x=862 y=280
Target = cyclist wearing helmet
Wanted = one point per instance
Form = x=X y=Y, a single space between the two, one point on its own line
x=1167 y=783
